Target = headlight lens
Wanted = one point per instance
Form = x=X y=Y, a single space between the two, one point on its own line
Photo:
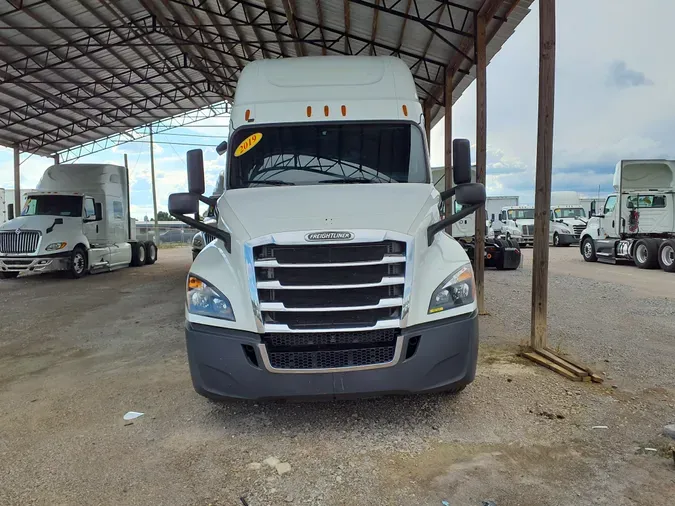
x=456 y=290
x=55 y=246
x=205 y=300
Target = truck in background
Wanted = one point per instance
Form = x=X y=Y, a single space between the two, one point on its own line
x=501 y=252
x=493 y=207
x=567 y=208
x=521 y=218
x=329 y=275
x=7 y=211
x=637 y=222
x=77 y=220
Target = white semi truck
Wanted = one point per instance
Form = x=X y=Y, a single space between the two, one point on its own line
x=637 y=222
x=7 y=211
x=331 y=274
x=77 y=220
x=520 y=219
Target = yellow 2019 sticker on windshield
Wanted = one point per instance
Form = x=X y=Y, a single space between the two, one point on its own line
x=248 y=144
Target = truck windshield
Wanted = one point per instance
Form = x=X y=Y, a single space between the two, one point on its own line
x=53 y=205
x=334 y=153
x=572 y=212
x=520 y=214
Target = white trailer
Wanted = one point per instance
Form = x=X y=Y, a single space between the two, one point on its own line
x=7 y=211
x=329 y=275
x=637 y=222
x=77 y=220
x=493 y=207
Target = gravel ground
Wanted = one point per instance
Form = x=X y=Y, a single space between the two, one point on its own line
x=76 y=355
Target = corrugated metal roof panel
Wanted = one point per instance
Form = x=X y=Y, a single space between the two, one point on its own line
x=66 y=66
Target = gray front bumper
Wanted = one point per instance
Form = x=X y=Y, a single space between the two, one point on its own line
x=445 y=357
x=568 y=239
x=45 y=263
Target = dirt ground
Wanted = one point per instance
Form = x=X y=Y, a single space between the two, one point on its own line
x=76 y=355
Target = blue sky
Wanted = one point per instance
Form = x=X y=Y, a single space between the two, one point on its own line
x=615 y=98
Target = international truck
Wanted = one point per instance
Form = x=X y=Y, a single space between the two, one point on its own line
x=520 y=219
x=331 y=274
x=637 y=221
x=77 y=221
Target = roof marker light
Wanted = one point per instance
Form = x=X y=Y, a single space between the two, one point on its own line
x=309 y=111
x=344 y=110
x=247 y=115
x=326 y=111
x=405 y=109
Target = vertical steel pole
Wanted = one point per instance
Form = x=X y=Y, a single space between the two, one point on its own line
x=126 y=175
x=481 y=157
x=17 y=181
x=154 y=192
x=427 y=125
x=56 y=158
x=449 y=76
x=542 y=197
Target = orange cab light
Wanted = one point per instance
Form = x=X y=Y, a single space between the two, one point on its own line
x=326 y=111
x=247 y=115
x=309 y=111
x=405 y=109
x=194 y=283
x=344 y=110
x=489 y=256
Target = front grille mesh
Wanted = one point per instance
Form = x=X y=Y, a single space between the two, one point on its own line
x=26 y=241
x=326 y=339
x=332 y=359
x=578 y=229
x=528 y=230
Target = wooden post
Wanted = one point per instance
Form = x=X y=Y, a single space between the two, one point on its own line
x=126 y=175
x=17 y=181
x=427 y=124
x=481 y=157
x=449 y=76
x=542 y=197
x=154 y=192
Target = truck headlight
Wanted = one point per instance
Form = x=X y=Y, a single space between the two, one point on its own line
x=205 y=300
x=55 y=246
x=456 y=290
x=198 y=241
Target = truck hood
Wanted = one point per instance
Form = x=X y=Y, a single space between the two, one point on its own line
x=42 y=223
x=269 y=210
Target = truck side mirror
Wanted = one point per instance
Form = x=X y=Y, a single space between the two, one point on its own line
x=195 y=170
x=221 y=148
x=10 y=211
x=183 y=203
x=492 y=218
x=461 y=161
x=593 y=210
x=99 y=211
x=471 y=194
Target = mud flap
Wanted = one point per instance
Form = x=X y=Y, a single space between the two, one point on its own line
x=512 y=258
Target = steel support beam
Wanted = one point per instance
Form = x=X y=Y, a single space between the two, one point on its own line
x=481 y=158
x=289 y=11
x=542 y=195
x=447 y=152
x=17 y=181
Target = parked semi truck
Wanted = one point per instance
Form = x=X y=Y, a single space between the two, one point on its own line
x=637 y=222
x=77 y=220
x=521 y=219
x=330 y=274
x=7 y=211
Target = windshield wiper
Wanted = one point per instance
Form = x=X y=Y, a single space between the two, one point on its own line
x=349 y=180
x=272 y=182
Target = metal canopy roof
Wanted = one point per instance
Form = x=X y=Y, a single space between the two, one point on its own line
x=74 y=71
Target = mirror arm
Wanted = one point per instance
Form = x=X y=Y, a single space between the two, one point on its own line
x=203 y=227
x=432 y=230
x=446 y=194
x=209 y=201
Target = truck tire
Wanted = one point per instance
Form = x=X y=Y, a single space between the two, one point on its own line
x=501 y=244
x=9 y=274
x=77 y=267
x=667 y=255
x=646 y=254
x=137 y=254
x=150 y=253
x=194 y=254
x=556 y=240
x=588 y=250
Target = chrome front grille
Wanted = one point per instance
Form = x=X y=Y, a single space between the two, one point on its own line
x=578 y=229
x=528 y=230
x=208 y=238
x=337 y=286
x=26 y=241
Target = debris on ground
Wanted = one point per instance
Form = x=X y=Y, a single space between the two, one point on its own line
x=271 y=461
x=489 y=503
x=669 y=430
x=599 y=427
x=132 y=415
x=254 y=466
x=283 y=468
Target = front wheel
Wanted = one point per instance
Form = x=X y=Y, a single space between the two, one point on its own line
x=78 y=263
x=588 y=250
x=556 y=240
x=9 y=274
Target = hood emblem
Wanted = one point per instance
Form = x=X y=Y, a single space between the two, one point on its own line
x=329 y=236
x=17 y=231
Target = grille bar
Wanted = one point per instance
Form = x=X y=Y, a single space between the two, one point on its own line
x=26 y=241
x=388 y=259
x=279 y=306
x=276 y=285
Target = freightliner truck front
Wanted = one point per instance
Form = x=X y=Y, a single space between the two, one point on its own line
x=331 y=273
